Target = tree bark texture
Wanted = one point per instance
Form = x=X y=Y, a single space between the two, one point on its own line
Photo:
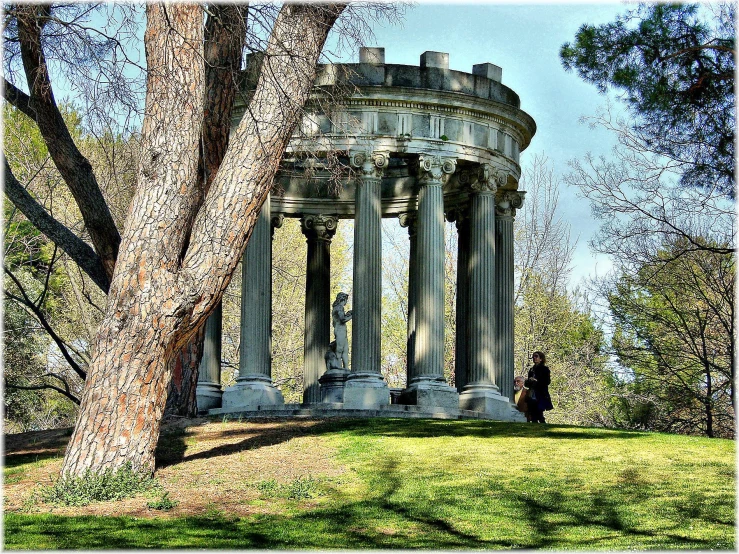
x=177 y=256
x=225 y=35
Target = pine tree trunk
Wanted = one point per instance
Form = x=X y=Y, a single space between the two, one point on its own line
x=178 y=254
x=181 y=399
x=225 y=33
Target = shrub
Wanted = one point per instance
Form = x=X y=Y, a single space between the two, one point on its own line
x=164 y=503
x=93 y=486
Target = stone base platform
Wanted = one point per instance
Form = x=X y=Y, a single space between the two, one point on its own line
x=330 y=410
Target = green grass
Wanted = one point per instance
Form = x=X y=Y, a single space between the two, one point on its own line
x=457 y=485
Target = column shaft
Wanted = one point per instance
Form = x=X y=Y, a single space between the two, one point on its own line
x=429 y=344
x=254 y=387
x=410 y=220
x=255 y=354
x=428 y=387
x=504 y=279
x=208 y=392
x=367 y=294
x=318 y=231
x=482 y=311
x=461 y=344
x=365 y=387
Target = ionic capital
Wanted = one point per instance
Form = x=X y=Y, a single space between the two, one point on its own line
x=434 y=169
x=508 y=201
x=458 y=215
x=319 y=227
x=409 y=220
x=371 y=164
x=276 y=222
x=489 y=179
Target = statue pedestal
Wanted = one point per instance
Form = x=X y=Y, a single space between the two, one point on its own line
x=365 y=391
x=332 y=385
x=430 y=392
x=252 y=391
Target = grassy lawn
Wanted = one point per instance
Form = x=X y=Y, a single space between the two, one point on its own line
x=412 y=484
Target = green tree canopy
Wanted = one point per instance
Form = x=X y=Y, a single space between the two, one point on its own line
x=674 y=64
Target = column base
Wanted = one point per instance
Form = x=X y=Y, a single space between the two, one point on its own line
x=433 y=393
x=252 y=391
x=365 y=391
x=208 y=396
x=332 y=385
x=487 y=399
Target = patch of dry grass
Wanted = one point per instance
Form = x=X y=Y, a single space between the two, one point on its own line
x=204 y=465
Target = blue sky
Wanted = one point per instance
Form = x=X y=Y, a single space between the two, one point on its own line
x=523 y=39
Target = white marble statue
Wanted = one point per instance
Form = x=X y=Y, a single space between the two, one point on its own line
x=339 y=318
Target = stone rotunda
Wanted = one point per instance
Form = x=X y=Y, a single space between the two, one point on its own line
x=422 y=145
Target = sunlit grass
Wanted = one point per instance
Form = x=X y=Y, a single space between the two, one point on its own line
x=458 y=485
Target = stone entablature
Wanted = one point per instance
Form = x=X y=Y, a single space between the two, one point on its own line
x=407 y=112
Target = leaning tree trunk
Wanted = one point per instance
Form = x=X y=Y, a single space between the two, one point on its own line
x=177 y=256
x=225 y=35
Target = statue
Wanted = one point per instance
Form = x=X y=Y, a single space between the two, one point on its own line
x=333 y=361
x=339 y=319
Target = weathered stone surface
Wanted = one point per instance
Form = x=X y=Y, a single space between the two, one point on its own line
x=363 y=391
x=252 y=394
x=332 y=385
x=430 y=394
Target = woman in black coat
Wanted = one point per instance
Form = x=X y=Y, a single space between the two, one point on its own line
x=538 y=382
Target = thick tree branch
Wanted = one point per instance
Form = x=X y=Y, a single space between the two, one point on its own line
x=76 y=248
x=239 y=188
x=18 y=99
x=72 y=165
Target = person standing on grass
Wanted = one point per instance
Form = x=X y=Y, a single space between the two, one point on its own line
x=539 y=400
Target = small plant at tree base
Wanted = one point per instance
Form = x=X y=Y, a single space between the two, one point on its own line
x=269 y=488
x=92 y=487
x=164 y=503
x=302 y=487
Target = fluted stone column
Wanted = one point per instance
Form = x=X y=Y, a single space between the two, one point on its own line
x=482 y=393
x=254 y=386
x=461 y=219
x=506 y=204
x=410 y=221
x=428 y=386
x=208 y=393
x=365 y=387
x=318 y=230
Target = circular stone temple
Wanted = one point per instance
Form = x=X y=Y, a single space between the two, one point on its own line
x=422 y=145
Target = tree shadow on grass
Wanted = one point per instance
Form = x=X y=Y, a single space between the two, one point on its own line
x=391 y=518
x=25 y=448
x=172 y=443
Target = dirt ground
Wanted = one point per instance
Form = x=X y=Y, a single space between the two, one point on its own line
x=204 y=465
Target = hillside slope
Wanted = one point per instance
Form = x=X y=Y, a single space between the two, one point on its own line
x=428 y=484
